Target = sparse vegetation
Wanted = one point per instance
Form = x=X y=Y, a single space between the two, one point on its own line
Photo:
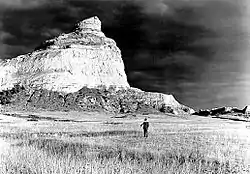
x=58 y=157
x=174 y=146
x=6 y=96
x=87 y=99
x=73 y=143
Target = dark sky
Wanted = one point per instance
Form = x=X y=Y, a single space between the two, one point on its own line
x=194 y=49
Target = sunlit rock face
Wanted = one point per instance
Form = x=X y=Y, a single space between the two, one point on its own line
x=77 y=63
x=84 y=57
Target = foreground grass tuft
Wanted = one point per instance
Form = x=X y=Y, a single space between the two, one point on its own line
x=46 y=156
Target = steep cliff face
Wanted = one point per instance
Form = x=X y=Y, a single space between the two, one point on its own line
x=84 y=57
x=81 y=69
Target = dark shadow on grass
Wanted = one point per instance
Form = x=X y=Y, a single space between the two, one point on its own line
x=102 y=134
x=232 y=118
x=35 y=117
x=25 y=136
x=57 y=148
x=83 y=151
x=41 y=118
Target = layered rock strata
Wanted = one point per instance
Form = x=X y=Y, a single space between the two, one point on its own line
x=74 y=64
x=84 y=57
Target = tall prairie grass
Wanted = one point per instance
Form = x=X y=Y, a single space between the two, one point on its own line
x=57 y=156
x=174 y=146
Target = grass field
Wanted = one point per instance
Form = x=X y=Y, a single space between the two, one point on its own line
x=78 y=142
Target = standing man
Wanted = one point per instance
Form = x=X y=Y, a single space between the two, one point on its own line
x=145 y=126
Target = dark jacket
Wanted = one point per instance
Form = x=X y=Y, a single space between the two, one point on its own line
x=145 y=125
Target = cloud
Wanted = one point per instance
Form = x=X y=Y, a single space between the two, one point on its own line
x=51 y=32
x=162 y=26
x=176 y=24
x=154 y=7
x=22 y=4
x=4 y=35
x=164 y=43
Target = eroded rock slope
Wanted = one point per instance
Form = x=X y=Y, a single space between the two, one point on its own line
x=84 y=57
x=79 y=70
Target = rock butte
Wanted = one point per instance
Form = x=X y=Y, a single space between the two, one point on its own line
x=83 y=58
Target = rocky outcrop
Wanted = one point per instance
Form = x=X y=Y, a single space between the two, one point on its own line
x=222 y=111
x=246 y=110
x=79 y=70
x=128 y=100
x=228 y=113
x=84 y=57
